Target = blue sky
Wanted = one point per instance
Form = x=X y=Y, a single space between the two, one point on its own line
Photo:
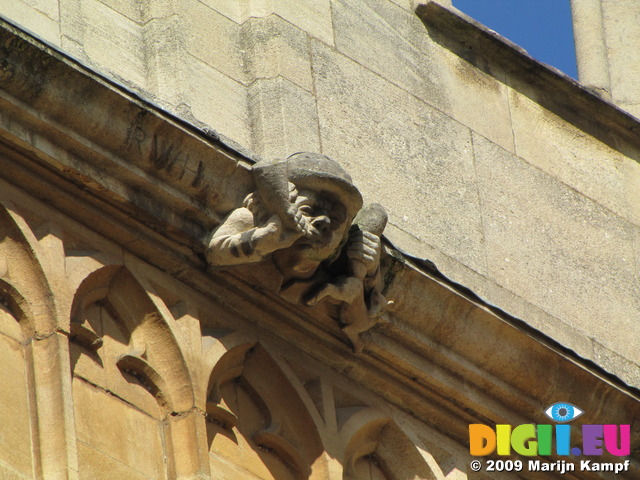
x=542 y=27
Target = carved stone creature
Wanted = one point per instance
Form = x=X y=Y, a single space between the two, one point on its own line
x=298 y=224
x=360 y=290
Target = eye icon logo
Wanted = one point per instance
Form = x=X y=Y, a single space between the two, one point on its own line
x=563 y=412
x=530 y=440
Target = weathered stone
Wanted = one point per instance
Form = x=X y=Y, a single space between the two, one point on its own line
x=590 y=46
x=575 y=158
x=311 y=16
x=275 y=48
x=145 y=365
x=215 y=99
x=97 y=465
x=284 y=118
x=543 y=237
x=164 y=53
x=15 y=414
x=215 y=40
x=305 y=215
x=605 y=30
x=232 y=9
x=403 y=153
x=409 y=63
x=408 y=59
x=614 y=362
x=107 y=39
x=41 y=16
x=110 y=426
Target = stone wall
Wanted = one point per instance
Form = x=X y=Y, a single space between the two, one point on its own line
x=129 y=374
x=126 y=356
x=504 y=195
x=606 y=34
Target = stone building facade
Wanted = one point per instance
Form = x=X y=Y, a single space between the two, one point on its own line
x=152 y=227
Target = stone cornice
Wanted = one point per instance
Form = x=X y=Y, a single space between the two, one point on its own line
x=546 y=85
x=113 y=139
x=157 y=187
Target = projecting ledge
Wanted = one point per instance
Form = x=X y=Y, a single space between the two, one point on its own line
x=546 y=85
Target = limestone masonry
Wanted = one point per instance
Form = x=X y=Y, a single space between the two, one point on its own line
x=315 y=239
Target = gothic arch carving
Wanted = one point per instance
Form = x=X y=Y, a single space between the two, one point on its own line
x=363 y=440
x=256 y=419
x=123 y=347
x=20 y=267
x=29 y=322
x=16 y=313
x=152 y=353
x=378 y=449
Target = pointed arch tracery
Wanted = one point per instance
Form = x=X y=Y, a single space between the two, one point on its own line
x=31 y=366
x=111 y=303
x=377 y=449
x=125 y=354
x=254 y=399
x=256 y=422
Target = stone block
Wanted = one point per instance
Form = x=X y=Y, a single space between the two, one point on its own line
x=591 y=56
x=165 y=65
x=9 y=325
x=142 y=11
x=232 y=9
x=15 y=414
x=312 y=16
x=7 y=473
x=402 y=153
x=108 y=40
x=95 y=465
x=39 y=17
x=284 y=118
x=410 y=63
x=478 y=101
x=48 y=8
x=406 y=4
x=134 y=11
x=116 y=429
x=559 y=249
x=52 y=380
x=622 y=34
x=494 y=294
x=406 y=56
x=575 y=158
x=275 y=48
x=624 y=368
x=215 y=40
x=218 y=101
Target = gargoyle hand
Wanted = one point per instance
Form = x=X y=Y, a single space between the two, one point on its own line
x=296 y=219
x=363 y=252
x=273 y=236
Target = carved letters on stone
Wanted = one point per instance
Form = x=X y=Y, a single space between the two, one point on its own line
x=305 y=225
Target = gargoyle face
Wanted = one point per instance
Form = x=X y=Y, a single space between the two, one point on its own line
x=326 y=223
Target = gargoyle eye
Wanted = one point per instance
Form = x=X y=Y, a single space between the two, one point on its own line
x=563 y=412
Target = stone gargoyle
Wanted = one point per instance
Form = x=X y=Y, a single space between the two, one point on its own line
x=315 y=243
